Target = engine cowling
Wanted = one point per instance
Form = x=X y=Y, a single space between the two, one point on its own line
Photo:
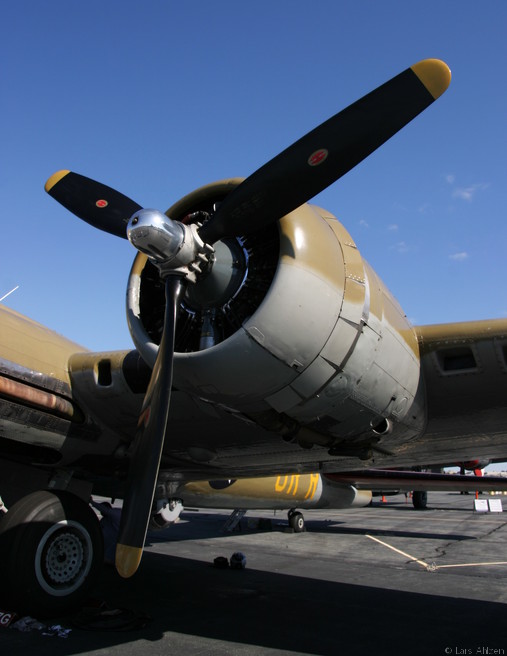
x=292 y=329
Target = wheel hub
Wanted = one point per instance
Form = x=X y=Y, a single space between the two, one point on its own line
x=64 y=557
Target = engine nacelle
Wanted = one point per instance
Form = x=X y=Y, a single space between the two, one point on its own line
x=292 y=329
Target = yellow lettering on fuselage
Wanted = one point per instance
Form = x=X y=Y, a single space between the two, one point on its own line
x=294 y=481
x=314 y=479
x=279 y=486
x=290 y=484
x=287 y=484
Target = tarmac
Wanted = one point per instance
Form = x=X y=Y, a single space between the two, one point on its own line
x=385 y=579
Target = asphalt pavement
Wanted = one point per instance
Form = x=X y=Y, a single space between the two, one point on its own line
x=385 y=579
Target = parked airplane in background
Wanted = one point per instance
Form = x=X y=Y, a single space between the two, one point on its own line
x=265 y=345
x=296 y=492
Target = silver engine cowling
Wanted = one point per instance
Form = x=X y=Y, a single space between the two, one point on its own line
x=291 y=328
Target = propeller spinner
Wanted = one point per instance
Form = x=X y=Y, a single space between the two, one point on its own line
x=181 y=252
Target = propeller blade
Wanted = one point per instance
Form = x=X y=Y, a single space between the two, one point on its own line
x=326 y=153
x=152 y=428
x=93 y=202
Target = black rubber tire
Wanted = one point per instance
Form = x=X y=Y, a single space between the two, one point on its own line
x=297 y=522
x=420 y=500
x=51 y=551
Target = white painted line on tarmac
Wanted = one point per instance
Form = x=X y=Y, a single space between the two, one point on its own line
x=420 y=562
x=471 y=565
x=433 y=566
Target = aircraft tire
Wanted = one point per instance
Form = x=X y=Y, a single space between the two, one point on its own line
x=420 y=500
x=297 y=521
x=52 y=552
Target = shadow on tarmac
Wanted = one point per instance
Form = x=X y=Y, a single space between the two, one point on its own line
x=193 y=604
x=208 y=526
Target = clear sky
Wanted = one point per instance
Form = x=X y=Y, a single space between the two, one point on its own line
x=156 y=98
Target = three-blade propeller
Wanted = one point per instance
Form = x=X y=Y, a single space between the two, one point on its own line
x=284 y=183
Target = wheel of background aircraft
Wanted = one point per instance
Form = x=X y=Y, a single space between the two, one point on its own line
x=51 y=552
x=165 y=516
x=420 y=500
x=296 y=521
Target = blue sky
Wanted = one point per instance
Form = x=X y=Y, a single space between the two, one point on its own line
x=159 y=97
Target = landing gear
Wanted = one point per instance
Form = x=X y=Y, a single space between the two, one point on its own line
x=168 y=511
x=51 y=552
x=420 y=500
x=296 y=521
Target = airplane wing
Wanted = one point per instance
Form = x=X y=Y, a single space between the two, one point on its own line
x=464 y=367
x=378 y=480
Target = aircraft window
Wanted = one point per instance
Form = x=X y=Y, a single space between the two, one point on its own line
x=457 y=359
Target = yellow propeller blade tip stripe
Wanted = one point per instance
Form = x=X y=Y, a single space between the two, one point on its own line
x=127 y=560
x=434 y=74
x=56 y=177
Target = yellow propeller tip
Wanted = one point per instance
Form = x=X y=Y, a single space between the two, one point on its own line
x=434 y=74
x=127 y=560
x=54 y=179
